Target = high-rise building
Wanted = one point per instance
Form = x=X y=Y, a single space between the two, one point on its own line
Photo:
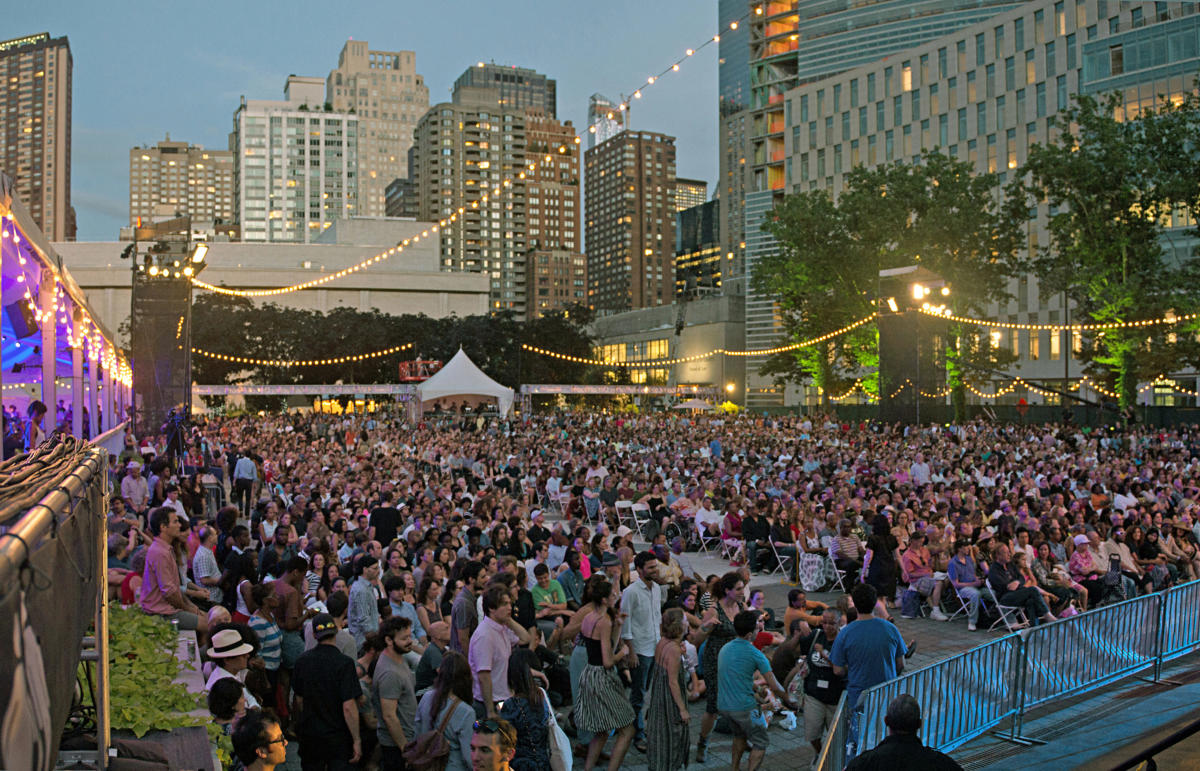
x=175 y=179
x=35 y=123
x=792 y=43
x=984 y=95
x=605 y=119
x=698 y=264
x=296 y=167
x=512 y=88
x=402 y=198
x=733 y=100
x=689 y=193
x=630 y=221
x=462 y=154
x=383 y=89
x=555 y=267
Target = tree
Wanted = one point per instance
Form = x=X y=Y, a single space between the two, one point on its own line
x=1112 y=186
x=825 y=273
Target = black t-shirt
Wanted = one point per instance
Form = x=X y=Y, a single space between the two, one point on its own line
x=821 y=683
x=324 y=678
x=385 y=520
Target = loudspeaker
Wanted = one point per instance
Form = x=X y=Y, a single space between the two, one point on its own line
x=20 y=316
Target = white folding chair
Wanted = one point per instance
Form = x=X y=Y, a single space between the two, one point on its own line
x=625 y=513
x=707 y=541
x=641 y=517
x=839 y=575
x=1011 y=616
x=784 y=563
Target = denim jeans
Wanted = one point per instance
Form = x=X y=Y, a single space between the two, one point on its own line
x=637 y=698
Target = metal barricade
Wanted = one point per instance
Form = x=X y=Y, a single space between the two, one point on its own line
x=833 y=754
x=960 y=697
x=1180 y=621
x=1090 y=649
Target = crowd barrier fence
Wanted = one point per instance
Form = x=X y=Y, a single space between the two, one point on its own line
x=968 y=694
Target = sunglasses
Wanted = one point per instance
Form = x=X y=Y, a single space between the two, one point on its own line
x=491 y=727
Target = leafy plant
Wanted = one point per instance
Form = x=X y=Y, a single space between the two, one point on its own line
x=142 y=670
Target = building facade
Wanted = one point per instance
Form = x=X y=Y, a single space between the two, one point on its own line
x=387 y=94
x=733 y=101
x=984 y=95
x=555 y=267
x=629 y=209
x=401 y=195
x=698 y=263
x=296 y=168
x=174 y=179
x=511 y=88
x=35 y=129
x=605 y=119
x=791 y=43
x=689 y=193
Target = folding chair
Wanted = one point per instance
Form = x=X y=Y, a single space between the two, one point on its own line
x=839 y=575
x=641 y=517
x=1011 y=616
x=784 y=563
x=625 y=513
x=707 y=541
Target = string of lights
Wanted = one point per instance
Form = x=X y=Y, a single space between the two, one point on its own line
x=300 y=362
x=696 y=357
x=508 y=181
x=1170 y=319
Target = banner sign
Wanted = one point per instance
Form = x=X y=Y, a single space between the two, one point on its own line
x=614 y=390
x=402 y=391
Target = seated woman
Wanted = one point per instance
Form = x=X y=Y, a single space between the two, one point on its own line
x=1052 y=576
x=731 y=534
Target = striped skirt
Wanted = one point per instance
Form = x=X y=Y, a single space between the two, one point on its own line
x=603 y=705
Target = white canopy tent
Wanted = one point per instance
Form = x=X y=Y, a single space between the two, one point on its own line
x=461 y=380
x=693 y=404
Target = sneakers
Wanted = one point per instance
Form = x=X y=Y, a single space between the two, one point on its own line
x=971 y=627
x=937 y=615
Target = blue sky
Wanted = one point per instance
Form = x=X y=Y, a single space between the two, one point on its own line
x=143 y=69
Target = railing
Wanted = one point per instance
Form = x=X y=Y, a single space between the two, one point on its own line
x=977 y=688
x=965 y=695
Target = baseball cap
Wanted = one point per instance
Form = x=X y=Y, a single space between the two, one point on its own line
x=323 y=627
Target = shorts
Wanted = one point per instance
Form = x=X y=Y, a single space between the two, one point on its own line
x=818 y=716
x=188 y=622
x=749 y=725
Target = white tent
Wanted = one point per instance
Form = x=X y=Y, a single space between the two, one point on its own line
x=693 y=404
x=461 y=380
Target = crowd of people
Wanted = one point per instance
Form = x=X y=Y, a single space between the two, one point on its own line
x=508 y=585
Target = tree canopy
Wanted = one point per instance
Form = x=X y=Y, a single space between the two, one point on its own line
x=1114 y=184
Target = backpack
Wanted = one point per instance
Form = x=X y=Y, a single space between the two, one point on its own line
x=430 y=751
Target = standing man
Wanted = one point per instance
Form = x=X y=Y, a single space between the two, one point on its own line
x=736 y=665
x=245 y=474
x=490 y=648
x=822 y=686
x=393 y=693
x=464 y=618
x=161 y=593
x=869 y=651
x=902 y=749
x=385 y=519
x=642 y=603
x=325 y=698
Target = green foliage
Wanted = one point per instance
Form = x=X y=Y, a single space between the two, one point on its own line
x=1111 y=185
x=142 y=670
x=235 y=326
x=825 y=273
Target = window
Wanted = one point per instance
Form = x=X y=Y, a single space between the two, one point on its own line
x=925 y=78
x=908 y=140
x=926 y=138
x=1050 y=64
x=897 y=110
x=837 y=97
x=1010 y=139
x=1020 y=105
x=1019 y=34
x=971 y=94
x=943 y=130
x=999 y=112
x=961 y=50
x=1116 y=58
x=916 y=105
x=906 y=77
x=889 y=145
x=854 y=93
x=871 y=87
x=1035 y=344
x=981 y=118
x=1010 y=73
x=1070 y=52
x=1060 y=18
x=804 y=108
x=980 y=50
x=972 y=152
x=1137 y=18
x=862 y=121
x=1030 y=68
x=962 y=123
x=989 y=84
x=871 y=147
x=991 y=153
x=999 y=39
x=1061 y=87
x=941 y=63
x=935 y=105
x=1041 y=100
x=879 y=112
x=1039 y=27
x=887 y=82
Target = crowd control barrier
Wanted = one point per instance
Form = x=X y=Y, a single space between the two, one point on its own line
x=966 y=695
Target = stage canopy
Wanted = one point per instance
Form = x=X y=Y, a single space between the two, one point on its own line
x=460 y=380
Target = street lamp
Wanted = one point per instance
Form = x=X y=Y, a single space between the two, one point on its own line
x=730 y=387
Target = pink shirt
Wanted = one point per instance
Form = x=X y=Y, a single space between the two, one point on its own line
x=160 y=579
x=491 y=645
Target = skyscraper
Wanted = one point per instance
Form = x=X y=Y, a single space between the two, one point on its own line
x=383 y=89
x=462 y=154
x=698 y=250
x=35 y=121
x=506 y=88
x=630 y=221
x=555 y=267
x=792 y=42
x=287 y=188
x=733 y=89
x=172 y=179
x=689 y=193
x=605 y=119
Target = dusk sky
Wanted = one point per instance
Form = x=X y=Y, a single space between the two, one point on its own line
x=142 y=69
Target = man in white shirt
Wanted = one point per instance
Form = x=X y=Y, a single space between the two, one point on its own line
x=134 y=488
x=641 y=602
x=708 y=520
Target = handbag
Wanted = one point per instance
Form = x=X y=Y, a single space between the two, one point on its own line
x=430 y=751
x=560 y=746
